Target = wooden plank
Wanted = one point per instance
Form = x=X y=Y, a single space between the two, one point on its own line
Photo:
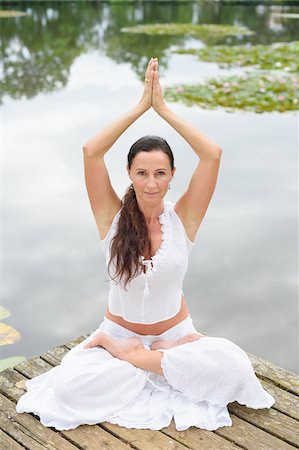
x=33 y=367
x=76 y=341
x=8 y=443
x=272 y=429
x=144 y=439
x=274 y=422
x=55 y=355
x=251 y=437
x=197 y=438
x=10 y=377
x=27 y=430
x=281 y=377
x=94 y=438
x=285 y=401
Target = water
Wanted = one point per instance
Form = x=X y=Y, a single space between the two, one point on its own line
x=67 y=72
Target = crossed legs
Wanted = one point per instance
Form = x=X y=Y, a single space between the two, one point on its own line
x=132 y=350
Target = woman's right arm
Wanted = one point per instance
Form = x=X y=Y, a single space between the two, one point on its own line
x=103 y=199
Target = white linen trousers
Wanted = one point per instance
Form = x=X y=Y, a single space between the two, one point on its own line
x=200 y=378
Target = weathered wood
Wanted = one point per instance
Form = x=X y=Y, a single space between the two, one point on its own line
x=193 y=438
x=94 y=438
x=33 y=367
x=278 y=375
x=285 y=401
x=54 y=355
x=252 y=437
x=9 y=443
x=27 y=430
x=271 y=420
x=196 y=438
x=276 y=428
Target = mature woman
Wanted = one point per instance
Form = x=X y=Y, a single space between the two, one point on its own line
x=146 y=363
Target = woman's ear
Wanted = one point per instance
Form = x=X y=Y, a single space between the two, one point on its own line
x=173 y=170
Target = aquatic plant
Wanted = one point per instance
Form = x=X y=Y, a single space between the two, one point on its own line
x=8 y=335
x=280 y=55
x=206 y=32
x=254 y=91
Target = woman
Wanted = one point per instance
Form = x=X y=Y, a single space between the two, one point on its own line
x=146 y=363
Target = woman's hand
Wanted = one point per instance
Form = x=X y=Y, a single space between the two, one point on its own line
x=157 y=96
x=146 y=100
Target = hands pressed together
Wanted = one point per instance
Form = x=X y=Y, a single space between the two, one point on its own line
x=152 y=94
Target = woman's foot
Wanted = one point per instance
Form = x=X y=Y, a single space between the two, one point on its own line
x=117 y=347
x=169 y=344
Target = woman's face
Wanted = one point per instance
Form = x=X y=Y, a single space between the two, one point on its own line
x=151 y=174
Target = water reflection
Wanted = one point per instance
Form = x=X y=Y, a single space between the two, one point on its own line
x=38 y=50
x=241 y=281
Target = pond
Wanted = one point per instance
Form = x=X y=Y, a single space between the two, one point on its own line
x=67 y=71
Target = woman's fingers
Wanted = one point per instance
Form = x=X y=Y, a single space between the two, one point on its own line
x=93 y=343
x=147 y=72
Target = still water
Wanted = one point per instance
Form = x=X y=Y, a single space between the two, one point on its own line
x=67 y=71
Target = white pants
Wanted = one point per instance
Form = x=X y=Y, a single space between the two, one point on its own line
x=200 y=378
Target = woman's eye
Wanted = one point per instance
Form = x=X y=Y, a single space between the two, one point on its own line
x=141 y=173
x=161 y=173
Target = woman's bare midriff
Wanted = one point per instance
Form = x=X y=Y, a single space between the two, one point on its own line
x=155 y=328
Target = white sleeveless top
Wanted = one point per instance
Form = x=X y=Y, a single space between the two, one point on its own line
x=155 y=295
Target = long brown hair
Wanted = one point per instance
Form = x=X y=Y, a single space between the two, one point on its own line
x=132 y=238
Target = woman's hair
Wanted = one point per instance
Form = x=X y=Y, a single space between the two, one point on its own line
x=132 y=238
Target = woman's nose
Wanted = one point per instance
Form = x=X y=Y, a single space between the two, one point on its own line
x=152 y=181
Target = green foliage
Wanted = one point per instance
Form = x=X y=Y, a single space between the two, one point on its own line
x=281 y=55
x=206 y=32
x=4 y=313
x=11 y=361
x=256 y=91
x=8 y=335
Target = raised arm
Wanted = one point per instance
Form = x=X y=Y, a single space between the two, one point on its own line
x=192 y=205
x=103 y=199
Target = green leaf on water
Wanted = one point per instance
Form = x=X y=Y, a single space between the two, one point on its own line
x=278 y=56
x=8 y=334
x=253 y=91
x=209 y=32
x=11 y=361
x=4 y=313
x=12 y=13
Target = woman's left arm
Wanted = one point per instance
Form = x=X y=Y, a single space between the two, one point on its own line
x=192 y=205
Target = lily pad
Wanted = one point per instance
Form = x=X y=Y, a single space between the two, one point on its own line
x=8 y=13
x=8 y=334
x=10 y=362
x=281 y=55
x=210 y=32
x=253 y=91
x=4 y=313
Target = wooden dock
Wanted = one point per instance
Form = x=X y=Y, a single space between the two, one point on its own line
x=276 y=428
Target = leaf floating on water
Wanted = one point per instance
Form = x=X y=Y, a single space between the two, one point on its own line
x=11 y=362
x=8 y=334
x=255 y=91
x=4 y=313
x=11 y=13
x=205 y=31
x=278 y=56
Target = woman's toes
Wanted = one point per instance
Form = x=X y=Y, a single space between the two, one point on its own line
x=188 y=338
x=162 y=344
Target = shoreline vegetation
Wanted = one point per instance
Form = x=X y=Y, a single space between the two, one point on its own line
x=229 y=2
